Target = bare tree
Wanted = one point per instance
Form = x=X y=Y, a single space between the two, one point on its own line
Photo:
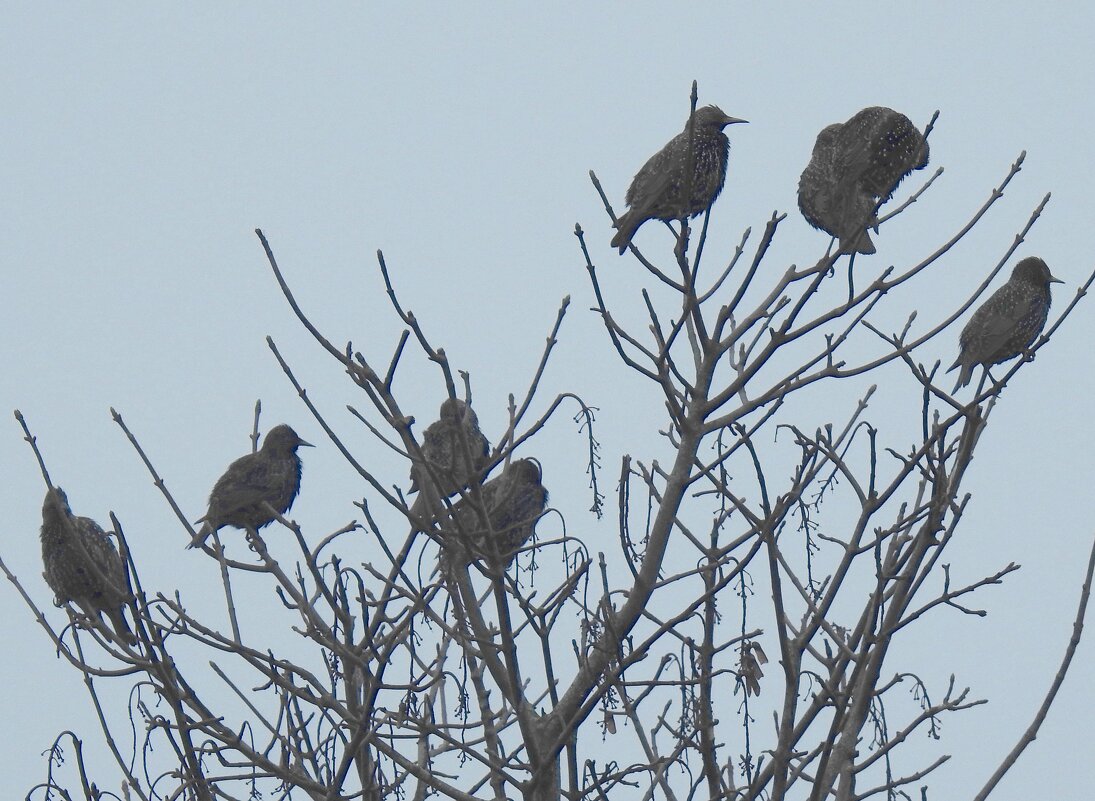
x=766 y=571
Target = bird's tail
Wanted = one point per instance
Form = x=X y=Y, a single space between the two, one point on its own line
x=627 y=225
x=852 y=210
x=203 y=534
x=120 y=626
x=964 y=375
x=420 y=508
x=859 y=242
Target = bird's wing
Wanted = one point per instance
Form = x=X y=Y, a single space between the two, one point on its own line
x=651 y=182
x=880 y=149
x=101 y=549
x=850 y=206
x=443 y=448
x=473 y=519
x=103 y=555
x=1000 y=326
x=480 y=450
x=429 y=443
x=247 y=482
x=852 y=149
x=437 y=449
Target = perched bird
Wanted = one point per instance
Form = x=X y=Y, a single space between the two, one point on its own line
x=855 y=166
x=269 y=476
x=446 y=446
x=818 y=201
x=496 y=529
x=1008 y=322
x=662 y=189
x=82 y=564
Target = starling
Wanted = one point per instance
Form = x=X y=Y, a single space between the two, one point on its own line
x=819 y=204
x=1008 y=322
x=512 y=502
x=658 y=189
x=855 y=166
x=446 y=446
x=269 y=476
x=82 y=564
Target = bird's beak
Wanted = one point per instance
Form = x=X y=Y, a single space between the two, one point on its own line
x=1053 y=280
x=732 y=120
x=303 y=444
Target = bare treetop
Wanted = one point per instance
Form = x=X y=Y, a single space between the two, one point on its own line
x=740 y=635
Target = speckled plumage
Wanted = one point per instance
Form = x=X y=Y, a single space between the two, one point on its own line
x=818 y=200
x=658 y=190
x=446 y=445
x=1008 y=322
x=82 y=566
x=270 y=475
x=854 y=166
x=512 y=501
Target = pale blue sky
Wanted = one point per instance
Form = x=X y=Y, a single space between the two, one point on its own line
x=142 y=145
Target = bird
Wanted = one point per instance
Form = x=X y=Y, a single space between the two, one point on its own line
x=1008 y=322
x=856 y=166
x=271 y=476
x=497 y=528
x=658 y=190
x=82 y=565
x=819 y=204
x=446 y=447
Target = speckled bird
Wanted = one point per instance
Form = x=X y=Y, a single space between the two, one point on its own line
x=658 y=189
x=270 y=475
x=446 y=446
x=841 y=217
x=1008 y=322
x=513 y=502
x=82 y=566
x=855 y=166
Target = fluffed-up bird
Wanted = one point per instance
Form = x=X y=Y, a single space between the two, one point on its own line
x=447 y=445
x=495 y=530
x=855 y=166
x=1008 y=322
x=82 y=565
x=662 y=190
x=271 y=476
x=819 y=200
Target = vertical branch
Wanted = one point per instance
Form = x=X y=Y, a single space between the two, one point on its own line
x=705 y=723
x=1070 y=651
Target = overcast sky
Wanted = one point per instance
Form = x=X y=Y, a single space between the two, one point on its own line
x=143 y=144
